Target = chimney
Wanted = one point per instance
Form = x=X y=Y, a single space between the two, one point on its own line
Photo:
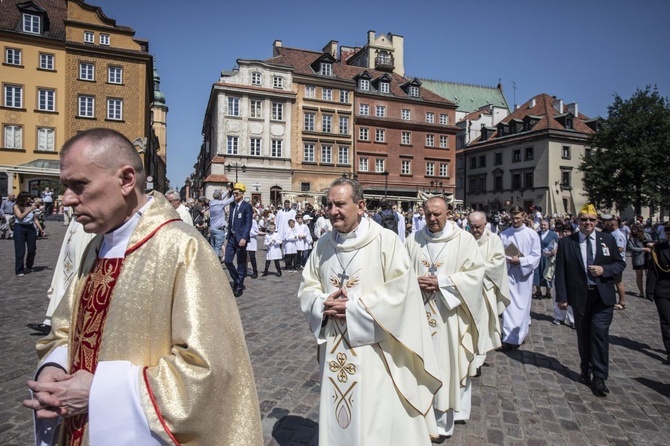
x=331 y=48
x=573 y=108
x=371 y=37
x=558 y=105
x=275 y=45
x=532 y=103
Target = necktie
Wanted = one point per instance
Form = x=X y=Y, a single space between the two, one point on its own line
x=589 y=259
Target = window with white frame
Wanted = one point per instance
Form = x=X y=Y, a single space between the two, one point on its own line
x=364 y=134
x=405 y=167
x=430 y=117
x=104 y=39
x=276 y=148
x=233 y=145
x=414 y=91
x=364 y=84
x=13 y=56
x=406 y=138
x=86 y=106
x=430 y=140
x=256 y=78
x=31 y=23
x=308 y=153
x=46 y=99
x=364 y=109
x=344 y=97
x=310 y=91
x=277 y=82
x=327 y=94
x=430 y=168
x=444 y=119
x=326 y=69
x=327 y=123
x=89 y=37
x=444 y=169
x=255 y=108
x=86 y=71
x=444 y=141
x=255 y=146
x=327 y=154
x=343 y=155
x=380 y=165
x=278 y=111
x=380 y=111
x=115 y=109
x=363 y=165
x=344 y=125
x=405 y=114
x=115 y=75
x=13 y=137
x=47 y=61
x=46 y=139
x=309 y=121
x=384 y=87
x=13 y=96
x=233 y=106
x=380 y=135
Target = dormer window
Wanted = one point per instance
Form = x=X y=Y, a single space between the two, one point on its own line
x=255 y=78
x=89 y=37
x=31 y=23
x=326 y=69
x=278 y=82
x=414 y=91
x=364 y=84
x=568 y=123
x=384 y=87
x=104 y=39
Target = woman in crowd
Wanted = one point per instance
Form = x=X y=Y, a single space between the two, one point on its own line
x=638 y=246
x=548 y=242
x=26 y=228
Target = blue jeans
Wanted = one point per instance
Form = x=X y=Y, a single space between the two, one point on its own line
x=24 y=235
x=238 y=274
x=216 y=239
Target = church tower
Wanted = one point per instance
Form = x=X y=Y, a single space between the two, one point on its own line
x=159 y=116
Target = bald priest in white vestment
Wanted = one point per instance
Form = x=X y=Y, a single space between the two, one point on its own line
x=450 y=270
x=379 y=371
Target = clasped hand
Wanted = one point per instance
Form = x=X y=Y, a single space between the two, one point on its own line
x=56 y=393
x=429 y=283
x=335 y=305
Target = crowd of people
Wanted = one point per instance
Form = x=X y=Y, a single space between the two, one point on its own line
x=404 y=306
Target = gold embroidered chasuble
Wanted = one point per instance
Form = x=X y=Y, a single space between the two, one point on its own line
x=453 y=254
x=376 y=388
x=495 y=289
x=169 y=315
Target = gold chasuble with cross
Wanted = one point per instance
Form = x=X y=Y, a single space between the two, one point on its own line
x=161 y=336
x=453 y=311
x=378 y=367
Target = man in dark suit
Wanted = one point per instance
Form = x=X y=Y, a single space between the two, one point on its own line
x=239 y=227
x=586 y=263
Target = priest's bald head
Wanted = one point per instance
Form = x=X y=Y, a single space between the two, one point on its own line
x=103 y=177
x=477 y=224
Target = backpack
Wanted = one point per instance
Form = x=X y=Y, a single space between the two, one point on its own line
x=389 y=220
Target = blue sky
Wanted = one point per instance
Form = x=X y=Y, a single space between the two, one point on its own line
x=577 y=50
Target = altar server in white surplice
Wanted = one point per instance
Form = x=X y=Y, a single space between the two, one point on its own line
x=450 y=271
x=379 y=372
x=495 y=288
x=523 y=252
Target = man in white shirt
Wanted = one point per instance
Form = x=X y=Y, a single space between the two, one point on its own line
x=174 y=199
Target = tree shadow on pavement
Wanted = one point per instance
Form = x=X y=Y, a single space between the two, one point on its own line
x=638 y=347
x=662 y=388
x=295 y=430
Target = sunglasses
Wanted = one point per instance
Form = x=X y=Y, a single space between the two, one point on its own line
x=588 y=219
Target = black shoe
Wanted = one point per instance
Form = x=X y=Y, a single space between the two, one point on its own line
x=599 y=387
x=238 y=292
x=265 y=273
x=42 y=328
x=254 y=275
x=585 y=379
x=438 y=440
x=478 y=373
x=278 y=273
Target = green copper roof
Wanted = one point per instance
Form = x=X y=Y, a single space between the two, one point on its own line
x=468 y=97
x=43 y=164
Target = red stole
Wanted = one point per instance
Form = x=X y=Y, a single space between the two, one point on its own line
x=90 y=322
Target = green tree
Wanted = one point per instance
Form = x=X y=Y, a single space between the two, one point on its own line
x=629 y=162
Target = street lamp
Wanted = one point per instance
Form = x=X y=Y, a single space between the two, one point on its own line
x=437 y=184
x=235 y=166
x=386 y=182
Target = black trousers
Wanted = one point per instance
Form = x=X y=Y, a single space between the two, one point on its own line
x=593 y=335
x=252 y=259
x=663 y=307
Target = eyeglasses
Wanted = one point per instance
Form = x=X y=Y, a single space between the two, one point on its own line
x=588 y=219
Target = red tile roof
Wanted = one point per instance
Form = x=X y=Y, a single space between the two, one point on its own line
x=216 y=178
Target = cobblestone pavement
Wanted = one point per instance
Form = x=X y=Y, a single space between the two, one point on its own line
x=528 y=397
